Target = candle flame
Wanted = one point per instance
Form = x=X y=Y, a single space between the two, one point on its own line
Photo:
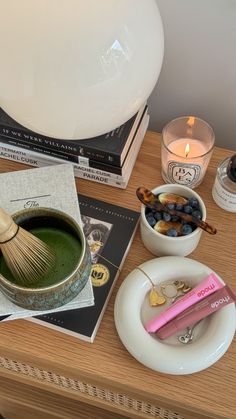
x=187 y=150
x=191 y=121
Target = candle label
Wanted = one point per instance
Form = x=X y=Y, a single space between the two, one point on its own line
x=185 y=174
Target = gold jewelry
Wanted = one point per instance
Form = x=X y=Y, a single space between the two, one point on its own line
x=175 y=289
x=155 y=298
x=169 y=290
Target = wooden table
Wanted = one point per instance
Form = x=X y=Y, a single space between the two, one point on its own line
x=46 y=374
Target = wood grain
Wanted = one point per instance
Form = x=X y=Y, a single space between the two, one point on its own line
x=14 y=404
x=106 y=363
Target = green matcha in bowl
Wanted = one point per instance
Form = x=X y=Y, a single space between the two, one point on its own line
x=72 y=265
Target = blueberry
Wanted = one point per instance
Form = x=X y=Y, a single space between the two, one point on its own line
x=151 y=220
x=186 y=229
x=174 y=218
x=193 y=202
x=197 y=214
x=166 y=216
x=172 y=232
x=171 y=206
x=157 y=215
x=179 y=207
x=148 y=211
x=188 y=209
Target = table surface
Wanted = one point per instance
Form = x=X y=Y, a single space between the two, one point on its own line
x=211 y=392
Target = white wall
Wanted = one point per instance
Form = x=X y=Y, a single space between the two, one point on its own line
x=198 y=76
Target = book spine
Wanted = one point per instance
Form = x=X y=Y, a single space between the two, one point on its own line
x=98 y=172
x=101 y=179
x=27 y=154
x=83 y=161
x=36 y=142
x=30 y=160
x=62 y=149
x=26 y=138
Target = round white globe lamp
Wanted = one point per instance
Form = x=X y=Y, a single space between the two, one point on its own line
x=75 y=69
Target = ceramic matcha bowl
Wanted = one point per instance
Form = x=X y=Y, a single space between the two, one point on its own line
x=73 y=261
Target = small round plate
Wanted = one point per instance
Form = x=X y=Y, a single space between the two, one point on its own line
x=212 y=336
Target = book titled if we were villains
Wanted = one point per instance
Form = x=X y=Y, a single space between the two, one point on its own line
x=109 y=149
x=109 y=230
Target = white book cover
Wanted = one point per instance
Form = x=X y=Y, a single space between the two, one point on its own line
x=51 y=187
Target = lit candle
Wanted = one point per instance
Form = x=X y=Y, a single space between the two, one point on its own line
x=186 y=151
x=188 y=148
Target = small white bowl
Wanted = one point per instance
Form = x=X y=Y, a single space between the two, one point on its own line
x=162 y=245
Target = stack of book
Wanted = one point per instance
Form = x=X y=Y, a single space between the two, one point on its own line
x=107 y=159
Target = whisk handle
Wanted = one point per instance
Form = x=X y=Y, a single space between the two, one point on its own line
x=8 y=228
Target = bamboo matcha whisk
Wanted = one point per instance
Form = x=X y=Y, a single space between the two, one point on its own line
x=27 y=257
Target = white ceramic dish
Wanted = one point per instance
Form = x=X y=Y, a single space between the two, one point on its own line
x=212 y=335
x=161 y=245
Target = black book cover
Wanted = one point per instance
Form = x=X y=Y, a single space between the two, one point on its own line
x=110 y=148
x=109 y=230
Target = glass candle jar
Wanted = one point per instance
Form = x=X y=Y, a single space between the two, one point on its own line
x=187 y=145
x=224 y=188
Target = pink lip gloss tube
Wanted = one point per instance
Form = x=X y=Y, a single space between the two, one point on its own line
x=197 y=312
x=206 y=287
